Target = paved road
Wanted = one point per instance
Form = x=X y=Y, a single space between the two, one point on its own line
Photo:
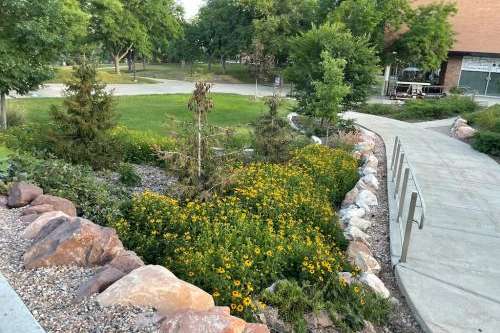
x=162 y=87
x=452 y=275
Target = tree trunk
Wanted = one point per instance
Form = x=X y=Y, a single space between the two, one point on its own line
x=129 y=61
x=387 y=76
x=3 y=110
x=116 y=60
x=223 y=63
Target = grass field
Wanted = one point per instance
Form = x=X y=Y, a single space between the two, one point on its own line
x=161 y=113
x=236 y=73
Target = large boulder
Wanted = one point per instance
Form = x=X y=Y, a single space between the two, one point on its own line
x=360 y=223
x=256 y=328
x=29 y=218
x=360 y=255
x=190 y=321
x=371 y=161
x=352 y=211
x=99 y=282
x=366 y=199
x=353 y=233
x=464 y=132
x=61 y=204
x=80 y=243
x=21 y=194
x=370 y=181
x=126 y=261
x=44 y=224
x=319 y=322
x=350 y=197
x=375 y=284
x=39 y=209
x=155 y=286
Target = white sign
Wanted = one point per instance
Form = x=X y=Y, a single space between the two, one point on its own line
x=481 y=64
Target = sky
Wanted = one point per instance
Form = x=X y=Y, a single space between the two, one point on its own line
x=191 y=7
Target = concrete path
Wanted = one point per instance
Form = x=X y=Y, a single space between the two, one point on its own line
x=162 y=87
x=14 y=316
x=452 y=275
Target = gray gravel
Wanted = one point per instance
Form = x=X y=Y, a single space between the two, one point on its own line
x=402 y=319
x=48 y=292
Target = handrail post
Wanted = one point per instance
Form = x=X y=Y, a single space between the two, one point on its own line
x=398 y=178
x=409 y=224
x=396 y=141
x=403 y=193
x=396 y=162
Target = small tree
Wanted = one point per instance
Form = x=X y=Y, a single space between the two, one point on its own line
x=272 y=136
x=80 y=132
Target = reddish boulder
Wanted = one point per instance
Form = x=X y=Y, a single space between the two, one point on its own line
x=189 y=321
x=360 y=255
x=99 y=282
x=61 y=204
x=256 y=328
x=29 y=218
x=126 y=261
x=21 y=194
x=3 y=201
x=155 y=286
x=80 y=243
x=44 y=224
x=39 y=209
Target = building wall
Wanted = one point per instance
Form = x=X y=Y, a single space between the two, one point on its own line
x=451 y=74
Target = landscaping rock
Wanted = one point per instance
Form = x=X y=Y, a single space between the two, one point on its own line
x=360 y=255
x=371 y=161
x=126 y=261
x=366 y=199
x=350 y=197
x=464 y=132
x=319 y=322
x=190 y=321
x=346 y=276
x=3 y=201
x=256 y=328
x=21 y=194
x=369 y=328
x=271 y=318
x=353 y=233
x=155 y=286
x=371 y=182
x=368 y=171
x=28 y=218
x=61 y=204
x=99 y=282
x=40 y=209
x=360 y=223
x=350 y=212
x=80 y=243
x=375 y=284
x=47 y=222
x=365 y=146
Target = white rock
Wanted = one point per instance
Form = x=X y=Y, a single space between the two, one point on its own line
x=359 y=254
x=354 y=233
x=371 y=182
x=371 y=161
x=368 y=171
x=351 y=211
x=350 y=197
x=316 y=140
x=360 y=223
x=366 y=199
x=464 y=132
x=346 y=276
x=364 y=146
x=375 y=284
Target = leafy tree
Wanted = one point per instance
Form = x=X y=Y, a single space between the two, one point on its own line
x=272 y=135
x=308 y=63
x=32 y=35
x=185 y=47
x=429 y=38
x=81 y=127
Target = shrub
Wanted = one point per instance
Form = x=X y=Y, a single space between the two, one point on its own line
x=487 y=142
x=128 y=175
x=15 y=116
x=141 y=147
x=30 y=138
x=379 y=109
x=94 y=199
x=488 y=119
x=429 y=109
x=335 y=170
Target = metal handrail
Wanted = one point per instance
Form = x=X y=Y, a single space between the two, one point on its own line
x=399 y=158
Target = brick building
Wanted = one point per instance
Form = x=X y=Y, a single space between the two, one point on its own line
x=474 y=61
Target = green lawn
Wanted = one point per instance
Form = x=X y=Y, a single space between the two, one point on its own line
x=161 y=113
x=106 y=75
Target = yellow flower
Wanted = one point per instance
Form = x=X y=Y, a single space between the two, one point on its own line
x=356 y=290
x=247 y=301
x=220 y=270
x=248 y=263
x=257 y=250
x=269 y=253
x=237 y=283
x=362 y=301
x=191 y=273
x=239 y=308
x=233 y=306
x=236 y=294
x=216 y=294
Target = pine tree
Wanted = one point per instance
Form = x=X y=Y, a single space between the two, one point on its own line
x=81 y=127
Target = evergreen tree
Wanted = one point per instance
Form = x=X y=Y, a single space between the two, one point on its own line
x=81 y=127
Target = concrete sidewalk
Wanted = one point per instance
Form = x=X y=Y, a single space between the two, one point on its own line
x=14 y=315
x=452 y=275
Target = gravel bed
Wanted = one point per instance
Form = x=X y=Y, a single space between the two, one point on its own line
x=48 y=292
x=401 y=320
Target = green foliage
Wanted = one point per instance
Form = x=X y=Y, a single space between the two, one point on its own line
x=81 y=129
x=487 y=142
x=379 y=109
x=94 y=199
x=335 y=170
x=488 y=119
x=308 y=52
x=30 y=138
x=430 y=36
x=128 y=175
x=272 y=135
x=141 y=147
x=16 y=116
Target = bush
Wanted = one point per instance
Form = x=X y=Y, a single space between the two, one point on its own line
x=335 y=170
x=30 y=138
x=141 y=147
x=487 y=142
x=488 y=119
x=15 y=116
x=94 y=199
x=379 y=109
x=429 y=109
x=128 y=175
